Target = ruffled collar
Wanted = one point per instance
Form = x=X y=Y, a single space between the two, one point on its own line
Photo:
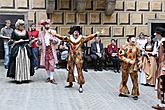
x=75 y=40
x=20 y=33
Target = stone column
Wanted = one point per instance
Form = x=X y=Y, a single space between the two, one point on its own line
x=109 y=6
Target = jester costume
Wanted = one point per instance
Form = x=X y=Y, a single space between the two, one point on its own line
x=127 y=54
x=75 y=55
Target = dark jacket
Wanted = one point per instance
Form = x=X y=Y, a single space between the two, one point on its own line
x=94 y=48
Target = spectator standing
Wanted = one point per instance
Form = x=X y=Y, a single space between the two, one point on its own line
x=6 y=35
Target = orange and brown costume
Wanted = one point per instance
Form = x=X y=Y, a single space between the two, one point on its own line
x=75 y=55
x=160 y=74
x=126 y=54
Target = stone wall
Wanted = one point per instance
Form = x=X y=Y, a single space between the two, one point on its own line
x=32 y=9
x=130 y=17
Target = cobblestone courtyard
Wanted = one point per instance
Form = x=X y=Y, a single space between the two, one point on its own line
x=100 y=93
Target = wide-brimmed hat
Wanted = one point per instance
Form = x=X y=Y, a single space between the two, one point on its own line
x=159 y=30
x=44 y=22
x=75 y=28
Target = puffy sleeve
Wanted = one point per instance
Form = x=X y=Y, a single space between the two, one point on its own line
x=122 y=54
x=89 y=37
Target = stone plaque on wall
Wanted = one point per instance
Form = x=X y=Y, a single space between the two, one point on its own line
x=23 y=4
x=82 y=18
x=64 y=4
x=106 y=41
x=70 y=18
x=7 y=3
x=161 y=16
x=143 y=29
x=39 y=4
x=118 y=31
x=106 y=31
x=89 y=4
x=124 y=18
x=130 y=31
x=109 y=19
x=88 y=30
x=64 y=30
x=136 y=18
x=148 y=16
x=143 y=5
x=100 y=4
x=130 y=5
x=58 y=18
x=95 y=18
x=156 y=6
x=119 y=6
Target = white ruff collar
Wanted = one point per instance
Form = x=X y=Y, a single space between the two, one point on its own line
x=74 y=40
x=20 y=33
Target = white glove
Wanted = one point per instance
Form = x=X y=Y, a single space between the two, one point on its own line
x=132 y=62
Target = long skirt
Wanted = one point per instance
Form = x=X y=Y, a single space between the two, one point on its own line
x=22 y=71
x=150 y=67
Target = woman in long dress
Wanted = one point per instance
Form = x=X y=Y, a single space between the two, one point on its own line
x=20 y=64
x=149 y=62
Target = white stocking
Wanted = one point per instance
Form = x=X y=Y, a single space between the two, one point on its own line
x=51 y=75
x=48 y=74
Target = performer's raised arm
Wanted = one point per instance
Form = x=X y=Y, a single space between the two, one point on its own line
x=90 y=37
x=64 y=38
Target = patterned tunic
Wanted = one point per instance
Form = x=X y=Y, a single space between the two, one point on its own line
x=75 y=55
x=127 y=54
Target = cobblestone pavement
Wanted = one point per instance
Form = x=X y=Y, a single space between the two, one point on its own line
x=100 y=93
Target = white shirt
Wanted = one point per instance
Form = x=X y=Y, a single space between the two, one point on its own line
x=98 y=47
x=47 y=37
x=141 y=43
x=156 y=48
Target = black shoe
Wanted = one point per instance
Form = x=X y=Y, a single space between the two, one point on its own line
x=80 y=90
x=115 y=71
x=6 y=66
x=135 y=97
x=48 y=80
x=100 y=69
x=69 y=86
x=123 y=95
x=118 y=71
x=18 y=82
x=85 y=70
x=95 y=70
x=36 y=68
x=53 y=81
x=106 y=69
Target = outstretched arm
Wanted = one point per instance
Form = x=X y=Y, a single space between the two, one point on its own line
x=64 y=38
x=90 y=37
